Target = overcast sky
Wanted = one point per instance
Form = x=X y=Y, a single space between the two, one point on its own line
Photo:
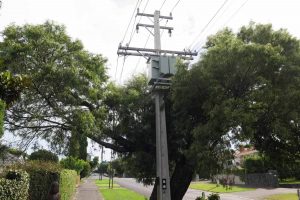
x=101 y=24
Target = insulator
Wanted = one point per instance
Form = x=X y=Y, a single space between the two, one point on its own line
x=170 y=32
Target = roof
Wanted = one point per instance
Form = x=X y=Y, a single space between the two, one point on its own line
x=245 y=152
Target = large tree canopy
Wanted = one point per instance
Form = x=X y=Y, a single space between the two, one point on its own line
x=67 y=83
x=244 y=88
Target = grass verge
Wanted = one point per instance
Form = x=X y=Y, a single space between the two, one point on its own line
x=290 y=181
x=117 y=193
x=282 y=197
x=212 y=187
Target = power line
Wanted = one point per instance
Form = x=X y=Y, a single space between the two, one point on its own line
x=133 y=27
x=132 y=15
x=205 y=27
x=136 y=6
x=141 y=57
x=162 y=5
x=134 y=32
x=228 y=20
x=175 y=6
x=199 y=43
x=236 y=12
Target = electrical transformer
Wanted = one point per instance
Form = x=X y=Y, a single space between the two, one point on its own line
x=161 y=67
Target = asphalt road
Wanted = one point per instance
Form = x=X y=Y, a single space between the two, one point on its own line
x=192 y=194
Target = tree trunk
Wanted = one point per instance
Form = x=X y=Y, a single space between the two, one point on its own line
x=180 y=180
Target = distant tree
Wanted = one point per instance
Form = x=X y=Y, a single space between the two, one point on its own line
x=103 y=167
x=82 y=167
x=95 y=162
x=73 y=163
x=86 y=170
x=119 y=166
x=43 y=155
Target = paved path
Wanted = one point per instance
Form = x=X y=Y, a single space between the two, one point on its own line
x=192 y=194
x=88 y=191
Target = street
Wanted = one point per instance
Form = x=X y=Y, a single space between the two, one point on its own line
x=192 y=194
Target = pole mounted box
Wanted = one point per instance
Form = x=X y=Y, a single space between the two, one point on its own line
x=161 y=67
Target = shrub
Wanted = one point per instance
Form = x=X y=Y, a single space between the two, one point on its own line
x=73 y=163
x=80 y=166
x=86 y=170
x=14 y=186
x=240 y=172
x=15 y=152
x=254 y=165
x=43 y=155
x=213 y=197
x=95 y=162
x=42 y=174
x=67 y=183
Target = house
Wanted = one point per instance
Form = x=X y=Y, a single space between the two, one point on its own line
x=243 y=153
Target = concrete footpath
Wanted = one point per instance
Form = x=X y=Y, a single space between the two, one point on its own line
x=88 y=191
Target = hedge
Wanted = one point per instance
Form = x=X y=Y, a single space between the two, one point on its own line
x=14 y=186
x=82 y=167
x=43 y=155
x=67 y=183
x=42 y=174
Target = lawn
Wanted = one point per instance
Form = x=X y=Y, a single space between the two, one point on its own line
x=105 y=183
x=117 y=193
x=282 y=197
x=212 y=187
x=290 y=181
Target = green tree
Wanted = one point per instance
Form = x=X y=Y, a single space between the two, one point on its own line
x=236 y=92
x=245 y=87
x=118 y=166
x=82 y=167
x=10 y=90
x=94 y=163
x=43 y=155
x=68 y=83
x=103 y=167
x=72 y=163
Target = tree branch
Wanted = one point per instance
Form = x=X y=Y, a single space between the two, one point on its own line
x=116 y=148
